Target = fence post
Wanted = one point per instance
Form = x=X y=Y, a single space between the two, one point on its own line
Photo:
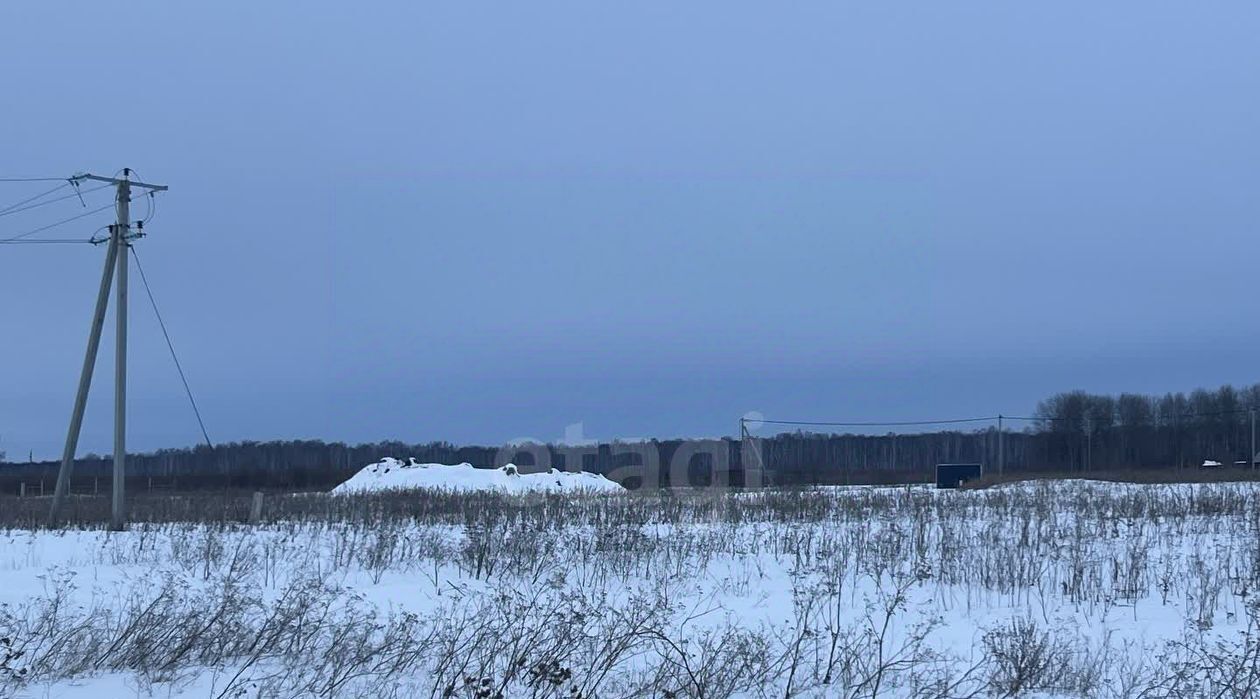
x=22 y=491
x=255 y=510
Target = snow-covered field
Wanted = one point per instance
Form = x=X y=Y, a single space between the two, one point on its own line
x=1066 y=589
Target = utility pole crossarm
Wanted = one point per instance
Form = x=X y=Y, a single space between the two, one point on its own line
x=116 y=180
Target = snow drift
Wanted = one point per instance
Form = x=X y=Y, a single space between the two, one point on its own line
x=394 y=474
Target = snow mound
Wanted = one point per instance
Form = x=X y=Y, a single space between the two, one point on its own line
x=394 y=474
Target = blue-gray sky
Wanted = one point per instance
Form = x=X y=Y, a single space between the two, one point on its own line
x=481 y=221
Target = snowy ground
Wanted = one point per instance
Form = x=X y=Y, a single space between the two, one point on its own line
x=1070 y=589
x=394 y=474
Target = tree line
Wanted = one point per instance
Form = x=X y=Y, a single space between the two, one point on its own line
x=1133 y=430
x=1070 y=432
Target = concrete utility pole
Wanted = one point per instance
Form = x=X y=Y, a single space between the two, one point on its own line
x=116 y=263
x=85 y=380
x=117 y=516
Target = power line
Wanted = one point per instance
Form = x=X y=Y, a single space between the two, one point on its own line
x=54 y=225
x=32 y=179
x=1214 y=413
x=171 y=347
x=151 y=200
x=47 y=241
x=955 y=421
x=76 y=193
x=41 y=195
x=875 y=424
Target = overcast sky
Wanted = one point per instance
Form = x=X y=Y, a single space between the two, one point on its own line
x=482 y=221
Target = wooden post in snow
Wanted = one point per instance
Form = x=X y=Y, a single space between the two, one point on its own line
x=255 y=510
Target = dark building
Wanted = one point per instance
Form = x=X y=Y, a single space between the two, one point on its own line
x=954 y=475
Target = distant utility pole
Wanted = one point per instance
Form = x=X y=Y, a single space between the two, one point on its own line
x=1089 y=444
x=116 y=259
x=748 y=453
x=1253 y=437
x=1001 y=448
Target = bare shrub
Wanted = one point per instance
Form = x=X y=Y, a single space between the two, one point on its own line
x=1024 y=658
